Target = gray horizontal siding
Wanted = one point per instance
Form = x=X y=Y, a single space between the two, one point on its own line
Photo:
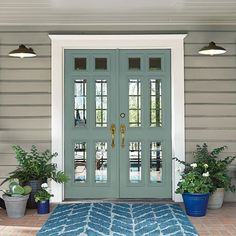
x=25 y=86
x=30 y=38
x=6 y=147
x=24 y=123
x=210 y=96
x=205 y=73
x=25 y=74
x=210 y=110
x=29 y=99
x=210 y=61
x=205 y=37
x=18 y=111
x=27 y=63
x=25 y=96
x=8 y=159
x=8 y=135
x=210 y=123
x=4 y=170
x=206 y=86
x=191 y=145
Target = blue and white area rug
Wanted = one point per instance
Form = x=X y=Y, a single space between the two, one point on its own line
x=116 y=219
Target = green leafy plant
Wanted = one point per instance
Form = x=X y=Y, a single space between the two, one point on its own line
x=43 y=194
x=34 y=165
x=216 y=167
x=195 y=179
x=16 y=190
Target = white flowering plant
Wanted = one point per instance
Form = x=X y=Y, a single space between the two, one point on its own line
x=43 y=194
x=195 y=179
x=208 y=169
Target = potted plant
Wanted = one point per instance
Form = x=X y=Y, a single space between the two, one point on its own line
x=35 y=168
x=16 y=198
x=195 y=187
x=218 y=171
x=42 y=198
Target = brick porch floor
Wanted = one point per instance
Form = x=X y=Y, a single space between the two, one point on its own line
x=216 y=222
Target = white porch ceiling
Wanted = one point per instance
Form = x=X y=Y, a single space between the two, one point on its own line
x=117 y=12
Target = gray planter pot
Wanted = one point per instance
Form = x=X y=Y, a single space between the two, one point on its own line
x=216 y=199
x=15 y=206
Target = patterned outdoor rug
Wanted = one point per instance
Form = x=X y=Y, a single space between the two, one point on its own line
x=118 y=219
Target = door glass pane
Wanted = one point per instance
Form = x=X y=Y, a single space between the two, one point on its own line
x=80 y=63
x=154 y=63
x=135 y=159
x=134 y=63
x=80 y=162
x=101 y=103
x=134 y=103
x=155 y=103
x=100 y=63
x=101 y=162
x=155 y=162
x=80 y=103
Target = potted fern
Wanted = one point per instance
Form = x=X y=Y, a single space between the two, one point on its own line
x=16 y=198
x=34 y=169
x=218 y=171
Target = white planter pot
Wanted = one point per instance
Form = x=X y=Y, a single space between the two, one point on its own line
x=216 y=199
x=15 y=206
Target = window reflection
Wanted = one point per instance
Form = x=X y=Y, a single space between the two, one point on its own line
x=80 y=104
x=80 y=162
x=135 y=162
x=101 y=162
x=155 y=103
x=155 y=162
x=134 y=103
x=101 y=103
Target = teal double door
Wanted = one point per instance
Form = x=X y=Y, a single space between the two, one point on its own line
x=117 y=123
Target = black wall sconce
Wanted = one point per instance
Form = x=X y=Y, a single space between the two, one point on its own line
x=22 y=52
x=212 y=49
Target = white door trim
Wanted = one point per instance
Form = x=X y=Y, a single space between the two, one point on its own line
x=175 y=42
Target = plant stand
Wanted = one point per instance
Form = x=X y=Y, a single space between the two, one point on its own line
x=216 y=199
x=15 y=206
x=196 y=203
x=43 y=207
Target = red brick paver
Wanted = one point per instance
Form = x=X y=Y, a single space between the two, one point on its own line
x=217 y=222
x=25 y=226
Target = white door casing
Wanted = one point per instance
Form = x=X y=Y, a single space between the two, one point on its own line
x=174 y=42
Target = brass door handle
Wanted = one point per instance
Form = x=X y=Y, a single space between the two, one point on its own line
x=113 y=130
x=122 y=131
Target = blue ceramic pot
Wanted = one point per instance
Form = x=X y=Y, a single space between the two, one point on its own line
x=43 y=207
x=196 y=203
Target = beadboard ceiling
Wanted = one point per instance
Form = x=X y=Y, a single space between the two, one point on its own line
x=117 y=12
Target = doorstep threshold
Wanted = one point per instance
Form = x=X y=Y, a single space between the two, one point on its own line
x=132 y=200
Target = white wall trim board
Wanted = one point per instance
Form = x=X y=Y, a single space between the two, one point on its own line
x=174 y=42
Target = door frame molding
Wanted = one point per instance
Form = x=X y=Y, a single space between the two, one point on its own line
x=174 y=42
